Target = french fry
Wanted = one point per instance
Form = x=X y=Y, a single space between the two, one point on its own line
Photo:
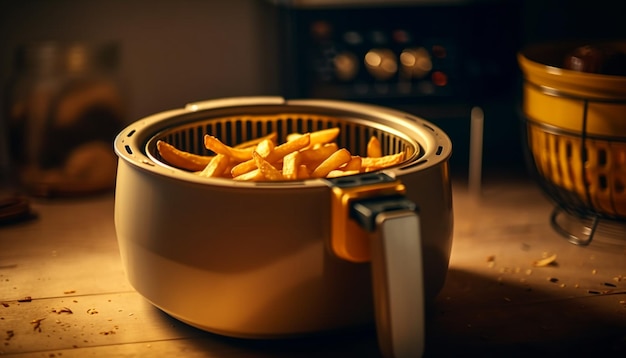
x=278 y=153
x=303 y=172
x=374 y=149
x=371 y=164
x=324 y=136
x=353 y=164
x=216 y=167
x=243 y=168
x=237 y=154
x=182 y=159
x=314 y=156
x=268 y=171
x=321 y=136
x=263 y=148
x=333 y=162
x=302 y=156
x=291 y=163
x=292 y=136
x=253 y=175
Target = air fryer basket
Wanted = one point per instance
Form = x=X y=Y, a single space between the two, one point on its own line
x=354 y=132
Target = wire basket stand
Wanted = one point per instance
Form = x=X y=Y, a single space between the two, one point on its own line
x=559 y=161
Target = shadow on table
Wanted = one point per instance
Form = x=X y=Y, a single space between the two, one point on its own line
x=473 y=316
x=477 y=314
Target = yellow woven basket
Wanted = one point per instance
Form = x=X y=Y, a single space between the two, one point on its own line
x=576 y=128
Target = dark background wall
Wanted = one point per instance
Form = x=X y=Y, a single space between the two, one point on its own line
x=172 y=52
x=175 y=52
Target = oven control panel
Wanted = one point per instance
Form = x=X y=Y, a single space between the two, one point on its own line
x=396 y=52
x=357 y=63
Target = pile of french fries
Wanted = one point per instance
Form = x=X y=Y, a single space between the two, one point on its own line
x=302 y=156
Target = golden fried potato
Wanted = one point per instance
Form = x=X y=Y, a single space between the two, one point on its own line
x=314 y=156
x=355 y=163
x=278 y=153
x=268 y=171
x=301 y=156
x=216 y=167
x=322 y=136
x=291 y=164
x=373 y=148
x=181 y=159
x=376 y=163
x=238 y=154
x=337 y=159
x=253 y=175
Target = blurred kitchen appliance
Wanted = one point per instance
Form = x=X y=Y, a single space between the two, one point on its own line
x=64 y=106
x=436 y=59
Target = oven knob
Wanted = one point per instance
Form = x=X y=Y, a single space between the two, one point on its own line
x=381 y=63
x=416 y=62
x=346 y=66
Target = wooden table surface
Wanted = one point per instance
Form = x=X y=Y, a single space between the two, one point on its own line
x=63 y=290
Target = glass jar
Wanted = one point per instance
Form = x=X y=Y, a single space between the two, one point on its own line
x=64 y=109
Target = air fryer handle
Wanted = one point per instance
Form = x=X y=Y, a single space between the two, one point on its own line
x=397 y=273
